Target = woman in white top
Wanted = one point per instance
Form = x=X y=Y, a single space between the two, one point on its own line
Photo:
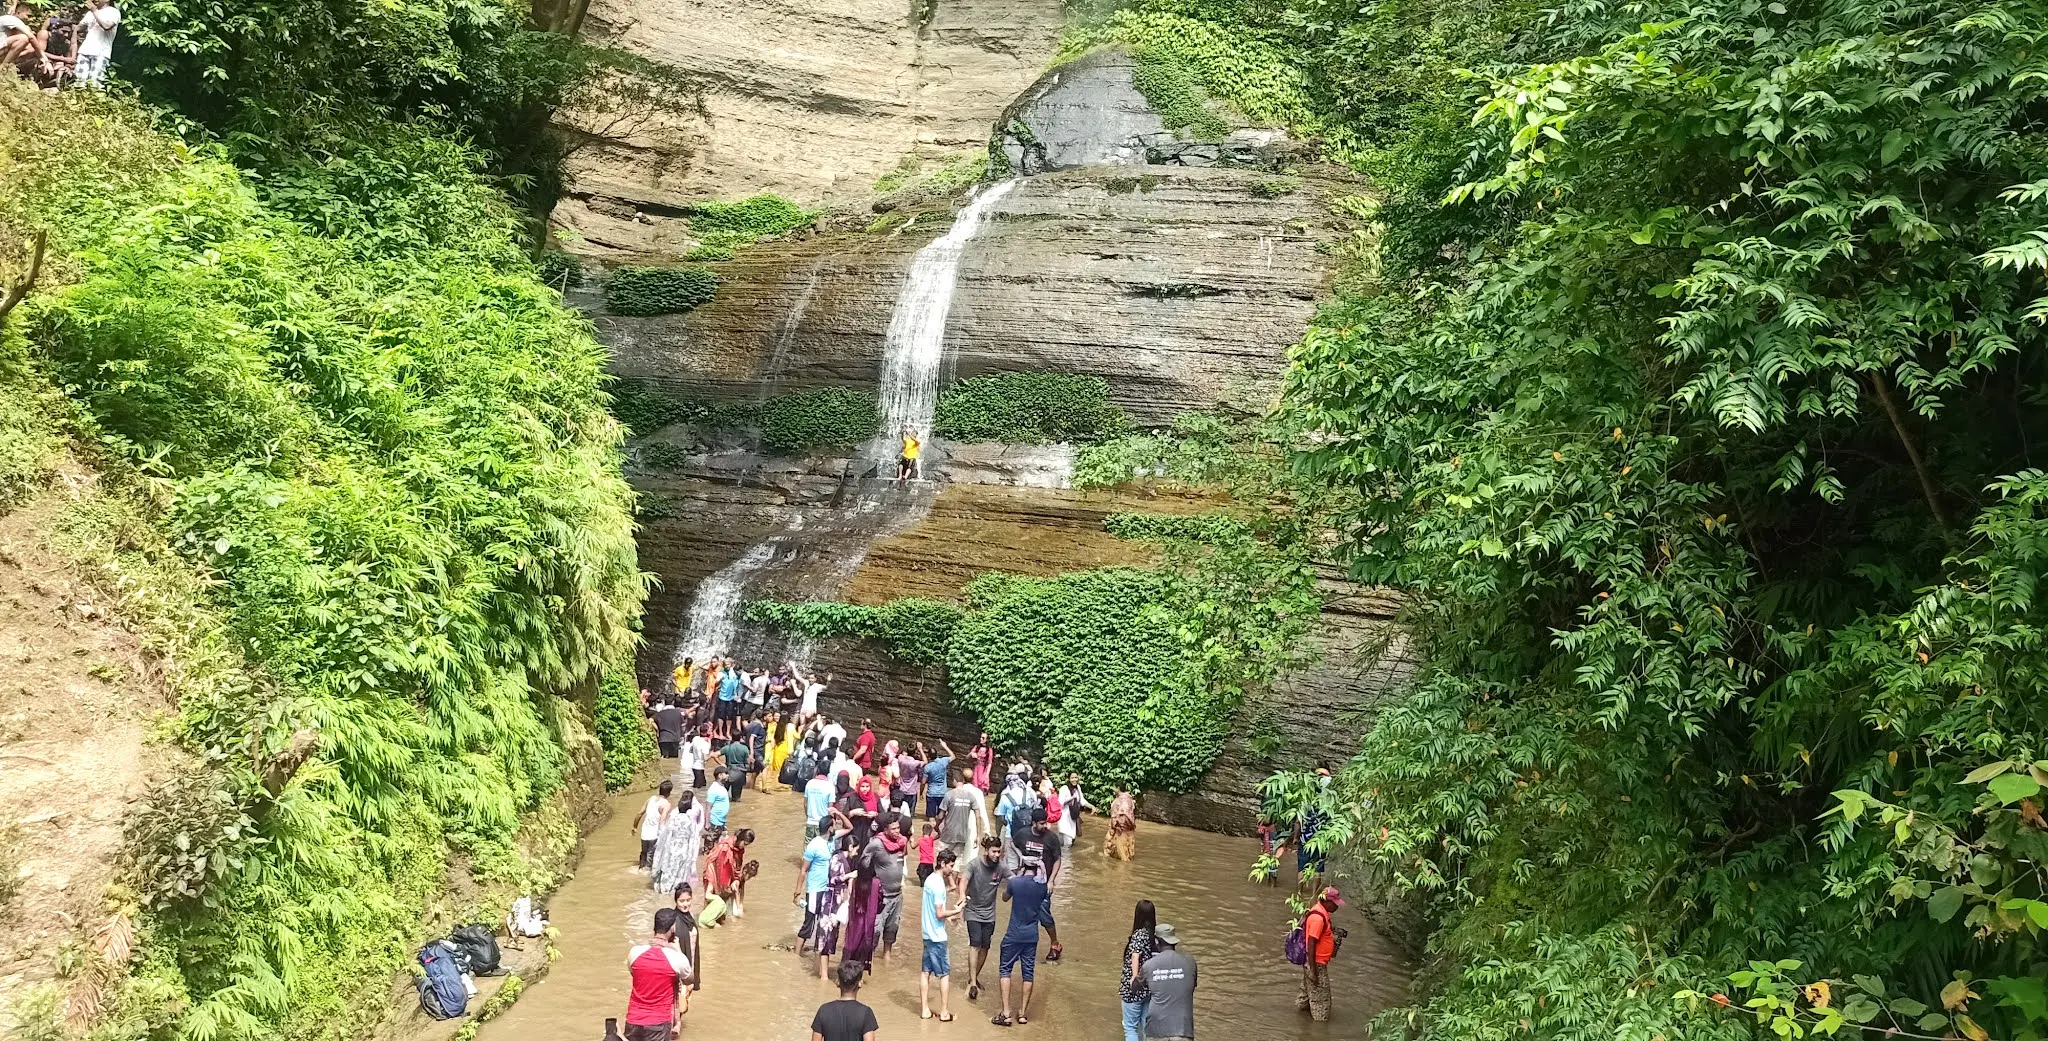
x=652 y=817
x=677 y=849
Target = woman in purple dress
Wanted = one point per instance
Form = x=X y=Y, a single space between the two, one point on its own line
x=863 y=920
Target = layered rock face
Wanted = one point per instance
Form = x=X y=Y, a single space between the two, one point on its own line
x=811 y=99
x=1182 y=287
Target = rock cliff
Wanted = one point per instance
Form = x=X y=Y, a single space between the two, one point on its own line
x=1181 y=286
x=811 y=99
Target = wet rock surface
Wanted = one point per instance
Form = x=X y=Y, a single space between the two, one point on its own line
x=1180 y=286
x=1087 y=112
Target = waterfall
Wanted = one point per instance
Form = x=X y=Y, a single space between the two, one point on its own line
x=715 y=611
x=916 y=342
x=912 y=353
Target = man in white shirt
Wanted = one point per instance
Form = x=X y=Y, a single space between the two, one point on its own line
x=832 y=733
x=696 y=752
x=812 y=688
x=100 y=20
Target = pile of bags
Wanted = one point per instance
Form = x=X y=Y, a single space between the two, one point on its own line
x=450 y=966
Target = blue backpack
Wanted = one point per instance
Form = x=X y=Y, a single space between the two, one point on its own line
x=442 y=994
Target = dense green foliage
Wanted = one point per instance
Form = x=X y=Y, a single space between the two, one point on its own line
x=641 y=292
x=419 y=537
x=1176 y=527
x=1693 y=405
x=724 y=226
x=914 y=629
x=621 y=727
x=824 y=417
x=1028 y=408
x=1168 y=80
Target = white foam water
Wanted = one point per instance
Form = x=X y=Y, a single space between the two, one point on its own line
x=916 y=342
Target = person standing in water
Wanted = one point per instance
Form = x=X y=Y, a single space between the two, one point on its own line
x=1028 y=899
x=1131 y=982
x=1123 y=825
x=1321 y=938
x=650 y=820
x=907 y=466
x=983 y=878
x=1170 y=984
x=659 y=972
x=939 y=906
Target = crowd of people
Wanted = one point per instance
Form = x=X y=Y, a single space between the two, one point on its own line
x=875 y=811
x=68 y=45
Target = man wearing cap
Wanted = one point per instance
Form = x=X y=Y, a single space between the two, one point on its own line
x=1321 y=937
x=1170 y=982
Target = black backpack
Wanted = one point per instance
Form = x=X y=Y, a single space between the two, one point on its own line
x=479 y=948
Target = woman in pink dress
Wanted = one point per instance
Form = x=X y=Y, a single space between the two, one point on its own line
x=983 y=755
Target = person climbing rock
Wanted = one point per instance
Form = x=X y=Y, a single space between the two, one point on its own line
x=908 y=467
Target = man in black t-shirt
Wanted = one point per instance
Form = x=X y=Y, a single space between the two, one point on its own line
x=846 y=1019
x=668 y=729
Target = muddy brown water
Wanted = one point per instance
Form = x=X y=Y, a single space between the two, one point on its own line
x=755 y=989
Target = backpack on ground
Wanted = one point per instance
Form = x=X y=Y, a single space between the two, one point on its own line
x=442 y=994
x=479 y=947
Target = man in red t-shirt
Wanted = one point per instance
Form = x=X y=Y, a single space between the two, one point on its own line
x=1314 y=997
x=659 y=970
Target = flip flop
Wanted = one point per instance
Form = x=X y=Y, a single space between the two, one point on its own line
x=1001 y=1020
x=925 y=1014
x=946 y=1017
x=1021 y=1020
x=973 y=991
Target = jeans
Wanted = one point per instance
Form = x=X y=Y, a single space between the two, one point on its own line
x=1134 y=1021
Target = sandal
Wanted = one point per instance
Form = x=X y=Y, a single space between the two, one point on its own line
x=945 y=1017
x=973 y=991
x=1054 y=954
x=925 y=1014
x=1001 y=1020
x=1021 y=1020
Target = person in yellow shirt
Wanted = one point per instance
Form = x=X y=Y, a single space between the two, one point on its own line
x=685 y=672
x=908 y=464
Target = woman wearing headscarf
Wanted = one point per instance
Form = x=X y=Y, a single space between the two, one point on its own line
x=677 y=847
x=861 y=806
x=983 y=756
x=864 y=908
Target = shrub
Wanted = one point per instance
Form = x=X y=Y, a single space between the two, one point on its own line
x=1168 y=527
x=1029 y=408
x=753 y=217
x=914 y=629
x=640 y=292
x=621 y=727
x=560 y=269
x=1170 y=86
x=827 y=416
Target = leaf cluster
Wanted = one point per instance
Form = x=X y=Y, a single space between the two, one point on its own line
x=642 y=292
x=1029 y=408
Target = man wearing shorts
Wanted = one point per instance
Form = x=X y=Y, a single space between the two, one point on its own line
x=984 y=877
x=938 y=956
x=728 y=711
x=1028 y=897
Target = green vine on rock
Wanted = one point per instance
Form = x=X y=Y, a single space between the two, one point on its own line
x=644 y=292
x=915 y=630
x=825 y=417
x=1029 y=408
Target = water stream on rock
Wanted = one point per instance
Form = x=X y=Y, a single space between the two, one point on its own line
x=913 y=353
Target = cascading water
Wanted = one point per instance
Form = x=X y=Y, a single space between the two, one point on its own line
x=916 y=342
x=913 y=353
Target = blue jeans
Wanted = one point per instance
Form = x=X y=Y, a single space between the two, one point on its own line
x=1134 y=1021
